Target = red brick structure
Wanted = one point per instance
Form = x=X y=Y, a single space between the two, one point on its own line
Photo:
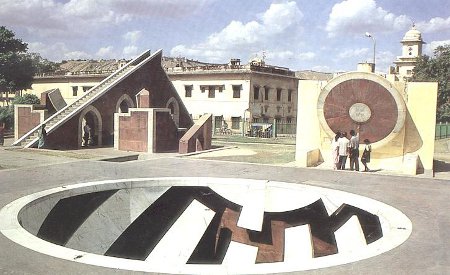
x=198 y=138
x=146 y=130
x=116 y=94
x=26 y=117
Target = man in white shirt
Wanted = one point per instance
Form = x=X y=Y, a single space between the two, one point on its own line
x=343 y=144
x=354 y=150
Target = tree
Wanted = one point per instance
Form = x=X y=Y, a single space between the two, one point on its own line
x=16 y=66
x=437 y=69
x=42 y=65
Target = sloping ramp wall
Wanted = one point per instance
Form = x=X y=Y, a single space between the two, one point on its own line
x=198 y=137
x=150 y=76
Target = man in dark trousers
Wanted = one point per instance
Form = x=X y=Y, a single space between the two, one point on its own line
x=354 y=150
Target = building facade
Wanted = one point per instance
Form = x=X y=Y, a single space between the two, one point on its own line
x=412 y=45
x=238 y=95
x=235 y=94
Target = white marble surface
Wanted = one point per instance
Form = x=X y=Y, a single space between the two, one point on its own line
x=277 y=196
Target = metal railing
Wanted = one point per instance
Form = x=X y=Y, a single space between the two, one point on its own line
x=442 y=131
x=255 y=129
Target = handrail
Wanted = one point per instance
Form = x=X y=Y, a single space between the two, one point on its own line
x=133 y=62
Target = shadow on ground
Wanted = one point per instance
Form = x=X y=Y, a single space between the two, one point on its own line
x=441 y=166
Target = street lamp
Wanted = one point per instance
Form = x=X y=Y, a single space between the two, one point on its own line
x=374 y=44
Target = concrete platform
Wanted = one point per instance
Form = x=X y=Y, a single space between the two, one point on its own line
x=424 y=201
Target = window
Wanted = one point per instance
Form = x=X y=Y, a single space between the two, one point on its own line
x=265 y=120
x=289 y=120
x=255 y=92
x=218 y=121
x=266 y=93
x=74 y=91
x=266 y=108
x=278 y=120
x=237 y=91
x=289 y=95
x=235 y=123
x=202 y=88
x=278 y=94
x=211 y=92
x=289 y=109
x=221 y=88
x=86 y=88
x=187 y=90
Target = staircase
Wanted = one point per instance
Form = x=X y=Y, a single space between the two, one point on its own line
x=63 y=115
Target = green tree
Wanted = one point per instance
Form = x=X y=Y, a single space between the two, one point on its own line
x=42 y=65
x=16 y=66
x=437 y=69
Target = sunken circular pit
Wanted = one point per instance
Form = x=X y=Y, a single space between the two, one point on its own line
x=204 y=225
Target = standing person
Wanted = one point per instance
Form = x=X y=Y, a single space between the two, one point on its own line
x=335 y=150
x=343 y=143
x=87 y=131
x=42 y=136
x=365 y=158
x=354 y=150
x=2 y=135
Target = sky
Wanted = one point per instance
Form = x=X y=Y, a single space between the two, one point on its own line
x=320 y=35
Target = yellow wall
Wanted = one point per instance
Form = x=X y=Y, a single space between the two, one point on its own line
x=422 y=100
x=308 y=139
x=414 y=143
x=64 y=85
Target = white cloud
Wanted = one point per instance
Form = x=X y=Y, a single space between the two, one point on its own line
x=106 y=52
x=76 y=16
x=431 y=46
x=239 y=38
x=132 y=36
x=130 y=51
x=57 y=51
x=359 y=16
x=384 y=59
x=307 y=56
x=350 y=53
x=434 y=25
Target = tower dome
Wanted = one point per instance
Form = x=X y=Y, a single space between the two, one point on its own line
x=413 y=35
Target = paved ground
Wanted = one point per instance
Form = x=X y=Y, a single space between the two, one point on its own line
x=425 y=201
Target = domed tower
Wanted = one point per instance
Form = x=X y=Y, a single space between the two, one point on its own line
x=411 y=49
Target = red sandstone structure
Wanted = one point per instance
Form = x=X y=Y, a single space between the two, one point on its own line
x=135 y=109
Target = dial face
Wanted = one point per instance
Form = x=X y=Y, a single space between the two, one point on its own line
x=361 y=102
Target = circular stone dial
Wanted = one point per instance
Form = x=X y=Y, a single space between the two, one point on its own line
x=361 y=102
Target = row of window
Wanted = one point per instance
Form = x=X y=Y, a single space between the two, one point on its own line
x=212 y=90
x=256 y=92
x=266 y=109
x=236 y=91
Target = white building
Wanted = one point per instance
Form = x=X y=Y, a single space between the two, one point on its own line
x=411 y=49
x=235 y=93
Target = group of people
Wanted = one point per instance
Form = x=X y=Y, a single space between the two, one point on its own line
x=343 y=148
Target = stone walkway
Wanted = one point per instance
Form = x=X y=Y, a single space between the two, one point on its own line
x=424 y=200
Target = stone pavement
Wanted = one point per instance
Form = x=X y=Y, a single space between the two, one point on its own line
x=425 y=201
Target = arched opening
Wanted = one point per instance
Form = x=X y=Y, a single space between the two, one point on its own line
x=124 y=104
x=174 y=108
x=123 y=107
x=90 y=127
